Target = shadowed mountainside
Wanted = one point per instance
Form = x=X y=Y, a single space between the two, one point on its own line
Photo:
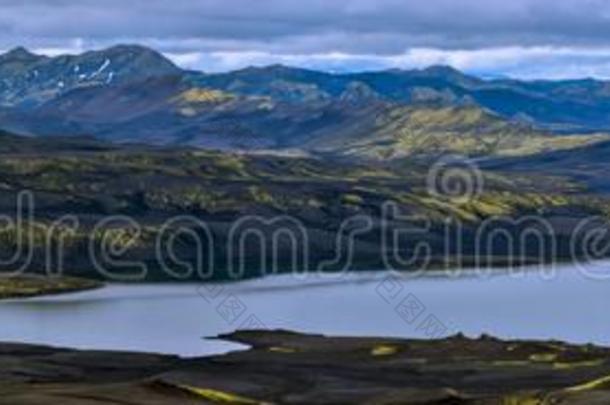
x=587 y=165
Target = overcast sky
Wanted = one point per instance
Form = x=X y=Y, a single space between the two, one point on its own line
x=519 y=38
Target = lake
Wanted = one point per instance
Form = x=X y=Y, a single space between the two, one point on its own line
x=174 y=318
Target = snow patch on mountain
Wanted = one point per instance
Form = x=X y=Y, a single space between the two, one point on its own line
x=101 y=69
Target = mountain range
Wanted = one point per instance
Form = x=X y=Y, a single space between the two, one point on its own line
x=132 y=94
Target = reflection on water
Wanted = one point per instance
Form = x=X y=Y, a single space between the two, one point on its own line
x=173 y=318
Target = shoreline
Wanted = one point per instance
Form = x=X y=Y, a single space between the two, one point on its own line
x=38 y=286
x=283 y=367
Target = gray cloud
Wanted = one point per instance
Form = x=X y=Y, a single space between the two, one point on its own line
x=288 y=28
x=383 y=24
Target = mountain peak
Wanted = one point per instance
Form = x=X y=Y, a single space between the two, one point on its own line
x=131 y=48
x=139 y=57
x=19 y=53
x=33 y=80
x=449 y=72
x=442 y=70
x=277 y=69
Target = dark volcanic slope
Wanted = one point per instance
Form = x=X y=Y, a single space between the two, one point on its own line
x=14 y=144
x=587 y=165
x=288 y=368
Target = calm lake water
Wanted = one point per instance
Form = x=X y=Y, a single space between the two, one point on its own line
x=171 y=318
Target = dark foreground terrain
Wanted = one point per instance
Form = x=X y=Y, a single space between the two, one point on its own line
x=288 y=368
